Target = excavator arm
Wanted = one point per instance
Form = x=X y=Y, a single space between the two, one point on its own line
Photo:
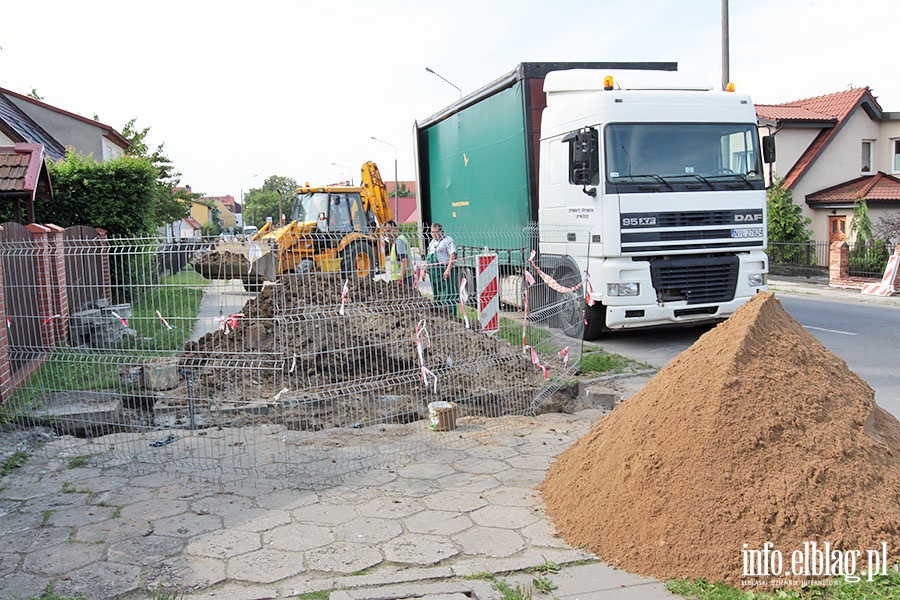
x=374 y=195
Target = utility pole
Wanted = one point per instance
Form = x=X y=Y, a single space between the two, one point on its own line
x=726 y=77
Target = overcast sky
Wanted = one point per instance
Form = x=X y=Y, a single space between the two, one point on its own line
x=239 y=91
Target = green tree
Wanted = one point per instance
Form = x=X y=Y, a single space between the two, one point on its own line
x=34 y=95
x=868 y=256
x=789 y=231
x=170 y=202
x=786 y=220
x=276 y=192
x=860 y=223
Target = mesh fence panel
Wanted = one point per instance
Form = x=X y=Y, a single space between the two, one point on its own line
x=157 y=359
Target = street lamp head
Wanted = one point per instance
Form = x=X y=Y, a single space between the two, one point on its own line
x=430 y=71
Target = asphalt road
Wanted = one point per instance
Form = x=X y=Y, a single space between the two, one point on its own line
x=866 y=336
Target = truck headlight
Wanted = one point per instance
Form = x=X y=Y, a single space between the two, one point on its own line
x=757 y=279
x=623 y=289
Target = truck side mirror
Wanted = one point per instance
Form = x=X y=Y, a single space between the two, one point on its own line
x=584 y=158
x=768 y=148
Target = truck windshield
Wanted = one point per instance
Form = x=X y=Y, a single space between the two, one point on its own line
x=644 y=157
x=308 y=207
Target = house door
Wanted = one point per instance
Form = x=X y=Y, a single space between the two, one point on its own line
x=837 y=229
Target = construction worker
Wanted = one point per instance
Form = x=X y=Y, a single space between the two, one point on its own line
x=400 y=254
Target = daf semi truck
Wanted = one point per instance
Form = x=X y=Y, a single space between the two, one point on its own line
x=641 y=183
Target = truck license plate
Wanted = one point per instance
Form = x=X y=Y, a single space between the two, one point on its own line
x=747 y=232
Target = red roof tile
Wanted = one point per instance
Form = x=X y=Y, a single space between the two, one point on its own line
x=878 y=189
x=22 y=169
x=834 y=109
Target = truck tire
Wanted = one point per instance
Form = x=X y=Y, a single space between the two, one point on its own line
x=358 y=260
x=596 y=322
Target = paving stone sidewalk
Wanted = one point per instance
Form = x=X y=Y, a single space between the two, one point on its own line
x=427 y=527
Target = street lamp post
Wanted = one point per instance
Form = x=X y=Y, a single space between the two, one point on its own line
x=396 y=184
x=433 y=72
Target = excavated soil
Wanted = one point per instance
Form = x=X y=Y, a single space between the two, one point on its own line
x=756 y=433
x=294 y=358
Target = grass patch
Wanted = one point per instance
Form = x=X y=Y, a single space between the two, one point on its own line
x=323 y=595
x=595 y=360
x=49 y=594
x=176 y=297
x=82 y=460
x=15 y=461
x=882 y=587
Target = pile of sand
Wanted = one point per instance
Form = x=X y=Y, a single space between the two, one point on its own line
x=755 y=434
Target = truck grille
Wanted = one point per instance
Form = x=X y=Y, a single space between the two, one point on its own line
x=695 y=279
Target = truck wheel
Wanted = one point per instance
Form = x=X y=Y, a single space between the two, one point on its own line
x=359 y=260
x=596 y=322
x=568 y=309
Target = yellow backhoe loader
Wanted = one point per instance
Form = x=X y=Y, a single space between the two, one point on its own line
x=331 y=229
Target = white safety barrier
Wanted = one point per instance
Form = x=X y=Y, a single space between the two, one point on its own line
x=886 y=287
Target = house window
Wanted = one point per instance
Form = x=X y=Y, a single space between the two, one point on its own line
x=896 y=156
x=866 y=164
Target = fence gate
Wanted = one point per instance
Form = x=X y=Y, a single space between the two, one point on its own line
x=84 y=267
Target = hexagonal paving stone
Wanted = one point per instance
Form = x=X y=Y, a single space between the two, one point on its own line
x=468 y=482
x=490 y=541
x=145 y=551
x=265 y=566
x=419 y=549
x=455 y=501
x=111 y=531
x=187 y=525
x=506 y=517
x=497 y=452
x=543 y=533
x=325 y=514
x=426 y=470
x=186 y=572
x=531 y=462
x=257 y=519
x=521 y=477
x=343 y=557
x=481 y=465
x=63 y=558
x=287 y=499
x=390 y=508
x=81 y=515
x=224 y=544
x=513 y=496
x=156 y=509
x=221 y=504
x=8 y=562
x=368 y=530
x=437 y=522
x=297 y=537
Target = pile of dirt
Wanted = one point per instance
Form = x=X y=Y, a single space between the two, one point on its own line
x=756 y=433
x=293 y=347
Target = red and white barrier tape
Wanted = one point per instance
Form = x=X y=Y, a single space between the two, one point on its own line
x=230 y=323
x=422 y=332
x=529 y=281
x=552 y=283
x=564 y=353
x=121 y=319
x=536 y=361
x=344 y=291
x=164 y=322
x=48 y=319
x=463 y=298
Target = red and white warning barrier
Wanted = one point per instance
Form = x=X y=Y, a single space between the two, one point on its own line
x=487 y=279
x=886 y=287
x=344 y=291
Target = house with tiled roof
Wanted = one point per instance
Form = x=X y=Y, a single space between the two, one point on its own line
x=67 y=129
x=833 y=149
